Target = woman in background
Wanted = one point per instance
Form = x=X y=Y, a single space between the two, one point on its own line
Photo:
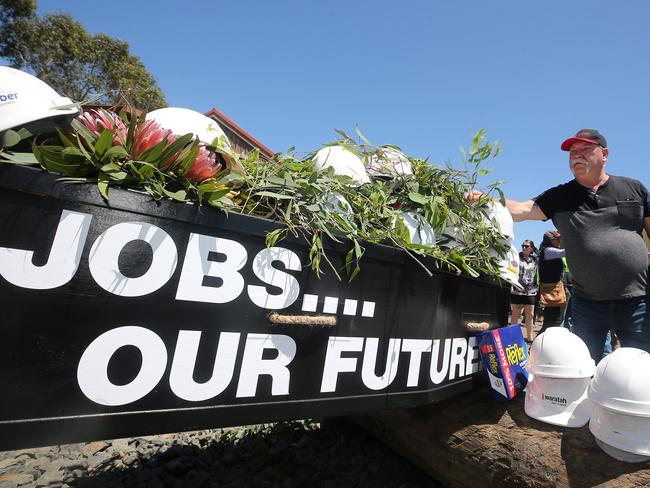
x=524 y=299
x=551 y=270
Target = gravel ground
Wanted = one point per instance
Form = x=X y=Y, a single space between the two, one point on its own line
x=333 y=453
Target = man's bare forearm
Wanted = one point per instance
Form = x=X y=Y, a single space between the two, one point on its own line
x=527 y=210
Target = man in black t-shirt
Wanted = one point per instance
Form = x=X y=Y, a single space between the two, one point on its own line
x=601 y=218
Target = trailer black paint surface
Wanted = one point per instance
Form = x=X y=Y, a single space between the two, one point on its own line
x=140 y=317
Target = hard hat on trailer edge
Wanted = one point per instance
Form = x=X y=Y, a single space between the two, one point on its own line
x=24 y=99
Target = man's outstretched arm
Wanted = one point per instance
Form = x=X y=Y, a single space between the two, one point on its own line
x=527 y=210
x=519 y=211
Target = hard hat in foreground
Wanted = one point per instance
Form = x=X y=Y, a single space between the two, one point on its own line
x=344 y=162
x=621 y=434
x=620 y=391
x=561 y=368
x=619 y=454
x=558 y=401
x=558 y=353
x=622 y=382
x=24 y=99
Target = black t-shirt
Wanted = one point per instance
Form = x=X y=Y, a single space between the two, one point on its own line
x=602 y=235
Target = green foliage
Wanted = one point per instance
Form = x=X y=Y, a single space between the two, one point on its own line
x=318 y=207
x=59 y=51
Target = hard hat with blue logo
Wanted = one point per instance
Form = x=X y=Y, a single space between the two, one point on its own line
x=24 y=99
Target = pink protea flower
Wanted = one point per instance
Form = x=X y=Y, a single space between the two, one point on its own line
x=147 y=136
x=98 y=120
x=151 y=133
x=205 y=166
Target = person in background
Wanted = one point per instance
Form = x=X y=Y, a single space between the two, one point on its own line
x=525 y=298
x=551 y=270
x=601 y=218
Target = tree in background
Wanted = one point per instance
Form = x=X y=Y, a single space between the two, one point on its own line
x=58 y=50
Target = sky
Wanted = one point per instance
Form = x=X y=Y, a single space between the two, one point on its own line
x=423 y=75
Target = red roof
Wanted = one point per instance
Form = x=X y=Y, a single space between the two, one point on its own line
x=227 y=121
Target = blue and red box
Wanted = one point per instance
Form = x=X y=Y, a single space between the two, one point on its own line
x=504 y=354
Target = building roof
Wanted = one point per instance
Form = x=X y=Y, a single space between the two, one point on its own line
x=227 y=122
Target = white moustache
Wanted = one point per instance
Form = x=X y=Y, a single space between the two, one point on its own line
x=579 y=161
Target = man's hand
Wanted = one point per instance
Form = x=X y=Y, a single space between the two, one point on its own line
x=474 y=196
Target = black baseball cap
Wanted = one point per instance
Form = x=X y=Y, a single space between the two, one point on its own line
x=586 y=135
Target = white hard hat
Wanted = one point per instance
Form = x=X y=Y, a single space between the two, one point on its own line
x=627 y=433
x=501 y=218
x=343 y=161
x=558 y=353
x=24 y=98
x=558 y=401
x=183 y=121
x=508 y=266
x=622 y=382
x=388 y=162
x=619 y=454
x=420 y=231
x=560 y=368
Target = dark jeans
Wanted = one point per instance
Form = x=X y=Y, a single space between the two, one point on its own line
x=629 y=318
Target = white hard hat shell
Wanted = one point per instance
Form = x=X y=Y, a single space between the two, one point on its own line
x=628 y=433
x=24 y=99
x=558 y=401
x=183 y=121
x=420 y=231
x=343 y=161
x=390 y=163
x=558 y=353
x=499 y=214
x=619 y=454
x=622 y=382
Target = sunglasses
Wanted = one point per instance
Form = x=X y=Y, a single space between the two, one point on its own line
x=525 y=245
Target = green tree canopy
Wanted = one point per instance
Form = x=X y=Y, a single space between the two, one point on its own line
x=58 y=50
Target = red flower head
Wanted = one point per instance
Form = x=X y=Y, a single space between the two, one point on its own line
x=205 y=166
x=147 y=136
x=98 y=120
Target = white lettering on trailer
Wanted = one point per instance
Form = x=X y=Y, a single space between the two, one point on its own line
x=415 y=347
x=92 y=372
x=472 y=355
x=181 y=377
x=368 y=376
x=16 y=264
x=437 y=376
x=197 y=266
x=253 y=366
x=203 y=277
x=105 y=253
x=457 y=361
x=335 y=364
x=263 y=269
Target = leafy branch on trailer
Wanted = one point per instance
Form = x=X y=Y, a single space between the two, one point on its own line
x=128 y=151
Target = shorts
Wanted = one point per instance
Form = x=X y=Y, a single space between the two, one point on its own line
x=522 y=299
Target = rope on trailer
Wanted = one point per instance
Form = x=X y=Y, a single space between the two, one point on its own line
x=322 y=320
x=477 y=326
